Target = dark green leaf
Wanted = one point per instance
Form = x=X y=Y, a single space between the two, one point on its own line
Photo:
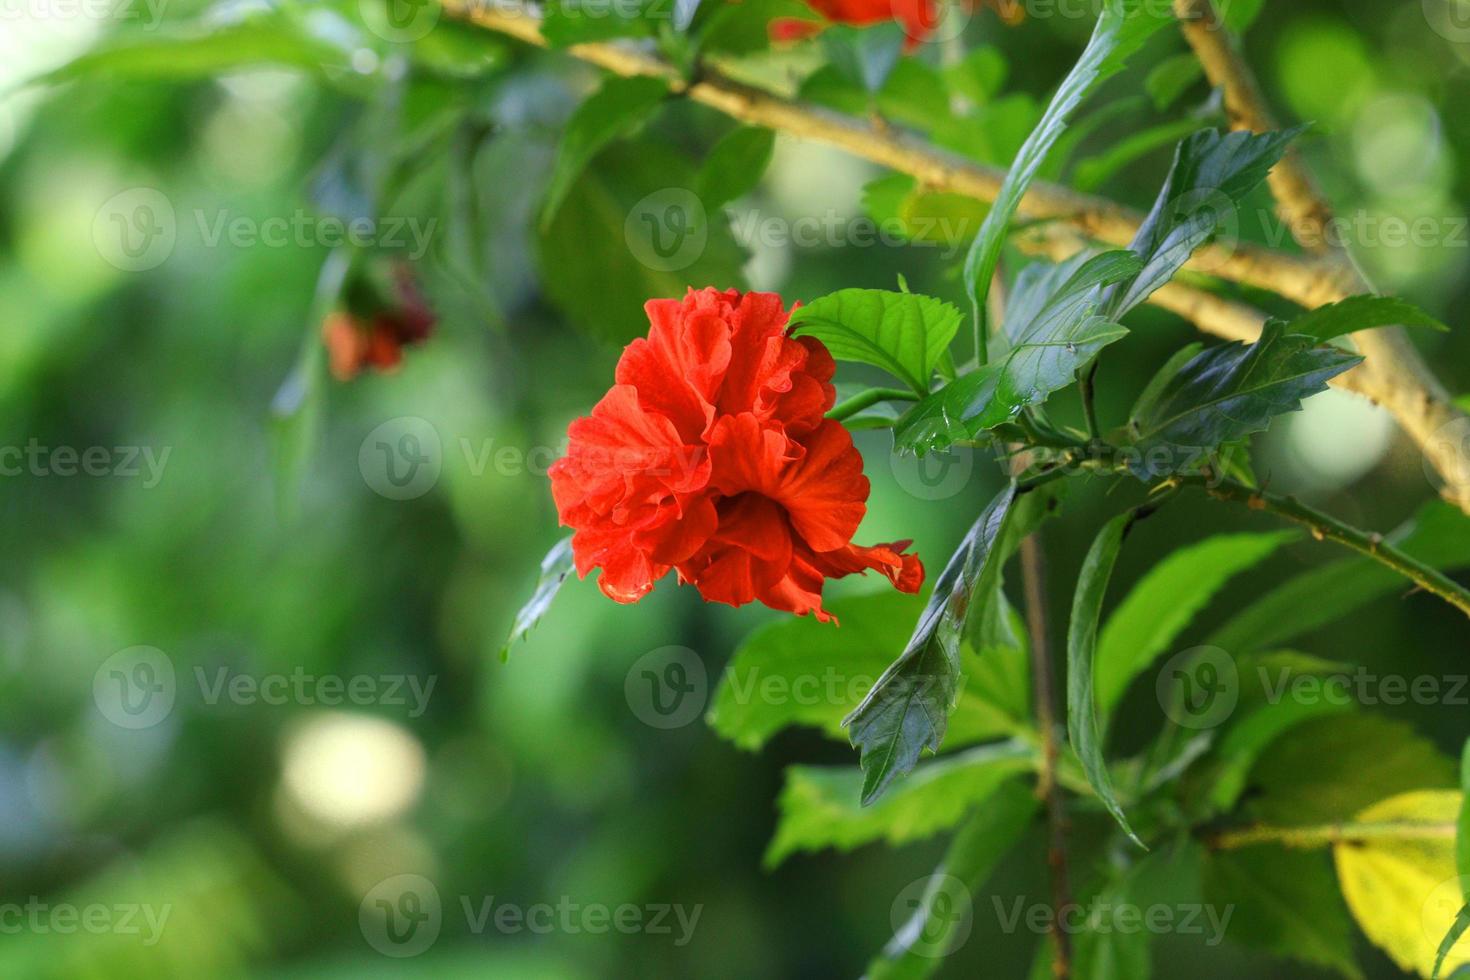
x=1286 y=902
x=1082 y=723
x=1050 y=335
x=589 y=21
x=1211 y=176
x=905 y=334
x=1227 y=392
x=735 y=165
x=986 y=837
x=1096 y=171
x=1163 y=603
x=908 y=709
x=1361 y=313
x=555 y=568
x=1121 y=31
x=618 y=109
x=820 y=808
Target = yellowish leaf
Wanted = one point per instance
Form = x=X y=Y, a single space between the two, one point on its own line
x=1400 y=880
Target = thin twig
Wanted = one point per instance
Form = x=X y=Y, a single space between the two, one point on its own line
x=869 y=398
x=1394 y=374
x=1324 y=527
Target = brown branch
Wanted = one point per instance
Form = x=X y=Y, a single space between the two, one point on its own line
x=1393 y=374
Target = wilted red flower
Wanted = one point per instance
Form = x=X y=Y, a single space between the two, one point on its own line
x=355 y=343
x=712 y=455
x=918 y=17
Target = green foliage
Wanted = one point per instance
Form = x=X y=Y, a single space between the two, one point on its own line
x=1160 y=606
x=1224 y=393
x=908 y=708
x=1082 y=714
x=735 y=165
x=1286 y=902
x=1361 y=313
x=820 y=806
x=615 y=111
x=903 y=333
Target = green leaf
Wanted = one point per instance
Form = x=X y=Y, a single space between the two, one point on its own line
x=979 y=75
x=1121 y=30
x=898 y=205
x=1163 y=604
x=820 y=808
x=908 y=708
x=1051 y=334
x=1457 y=929
x=864 y=55
x=797 y=671
x=201 y=50
x=988 y=835
x=1240 y=14
x=905 y=334
x=650 y=235
x=1439 y=536
x=1096 y=171
x=555 y=568
x=618 y=109
x=1227 y=392
x=1171 y=78
x=1361 y=313
x=1328 y=769
x=1462 y=836
x=1211 y=176
x=1286 y=902
x=1082 y=723
x=735 y=165
x=590 y=21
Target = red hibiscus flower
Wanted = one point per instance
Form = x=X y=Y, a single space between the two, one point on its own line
x=712 y=455
x=918 y=17
x=355 y=343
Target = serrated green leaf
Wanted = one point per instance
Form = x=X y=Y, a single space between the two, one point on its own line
x=555 y=568
x=905 y=334
x=1082 y=722
x=820 y=806
x=1286 y=902
x=1227 y=392
x=1160 y=606
x=1051 y=334
x=616 y=110
x=1438 y=536
x=988 y=835
x=1361 y=313
x=1121 y=31
x=1211 y=175
x=908 y=708
x=735 y=165
x=1328 y=769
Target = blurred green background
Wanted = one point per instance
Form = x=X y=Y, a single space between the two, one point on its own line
x=261 y=829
